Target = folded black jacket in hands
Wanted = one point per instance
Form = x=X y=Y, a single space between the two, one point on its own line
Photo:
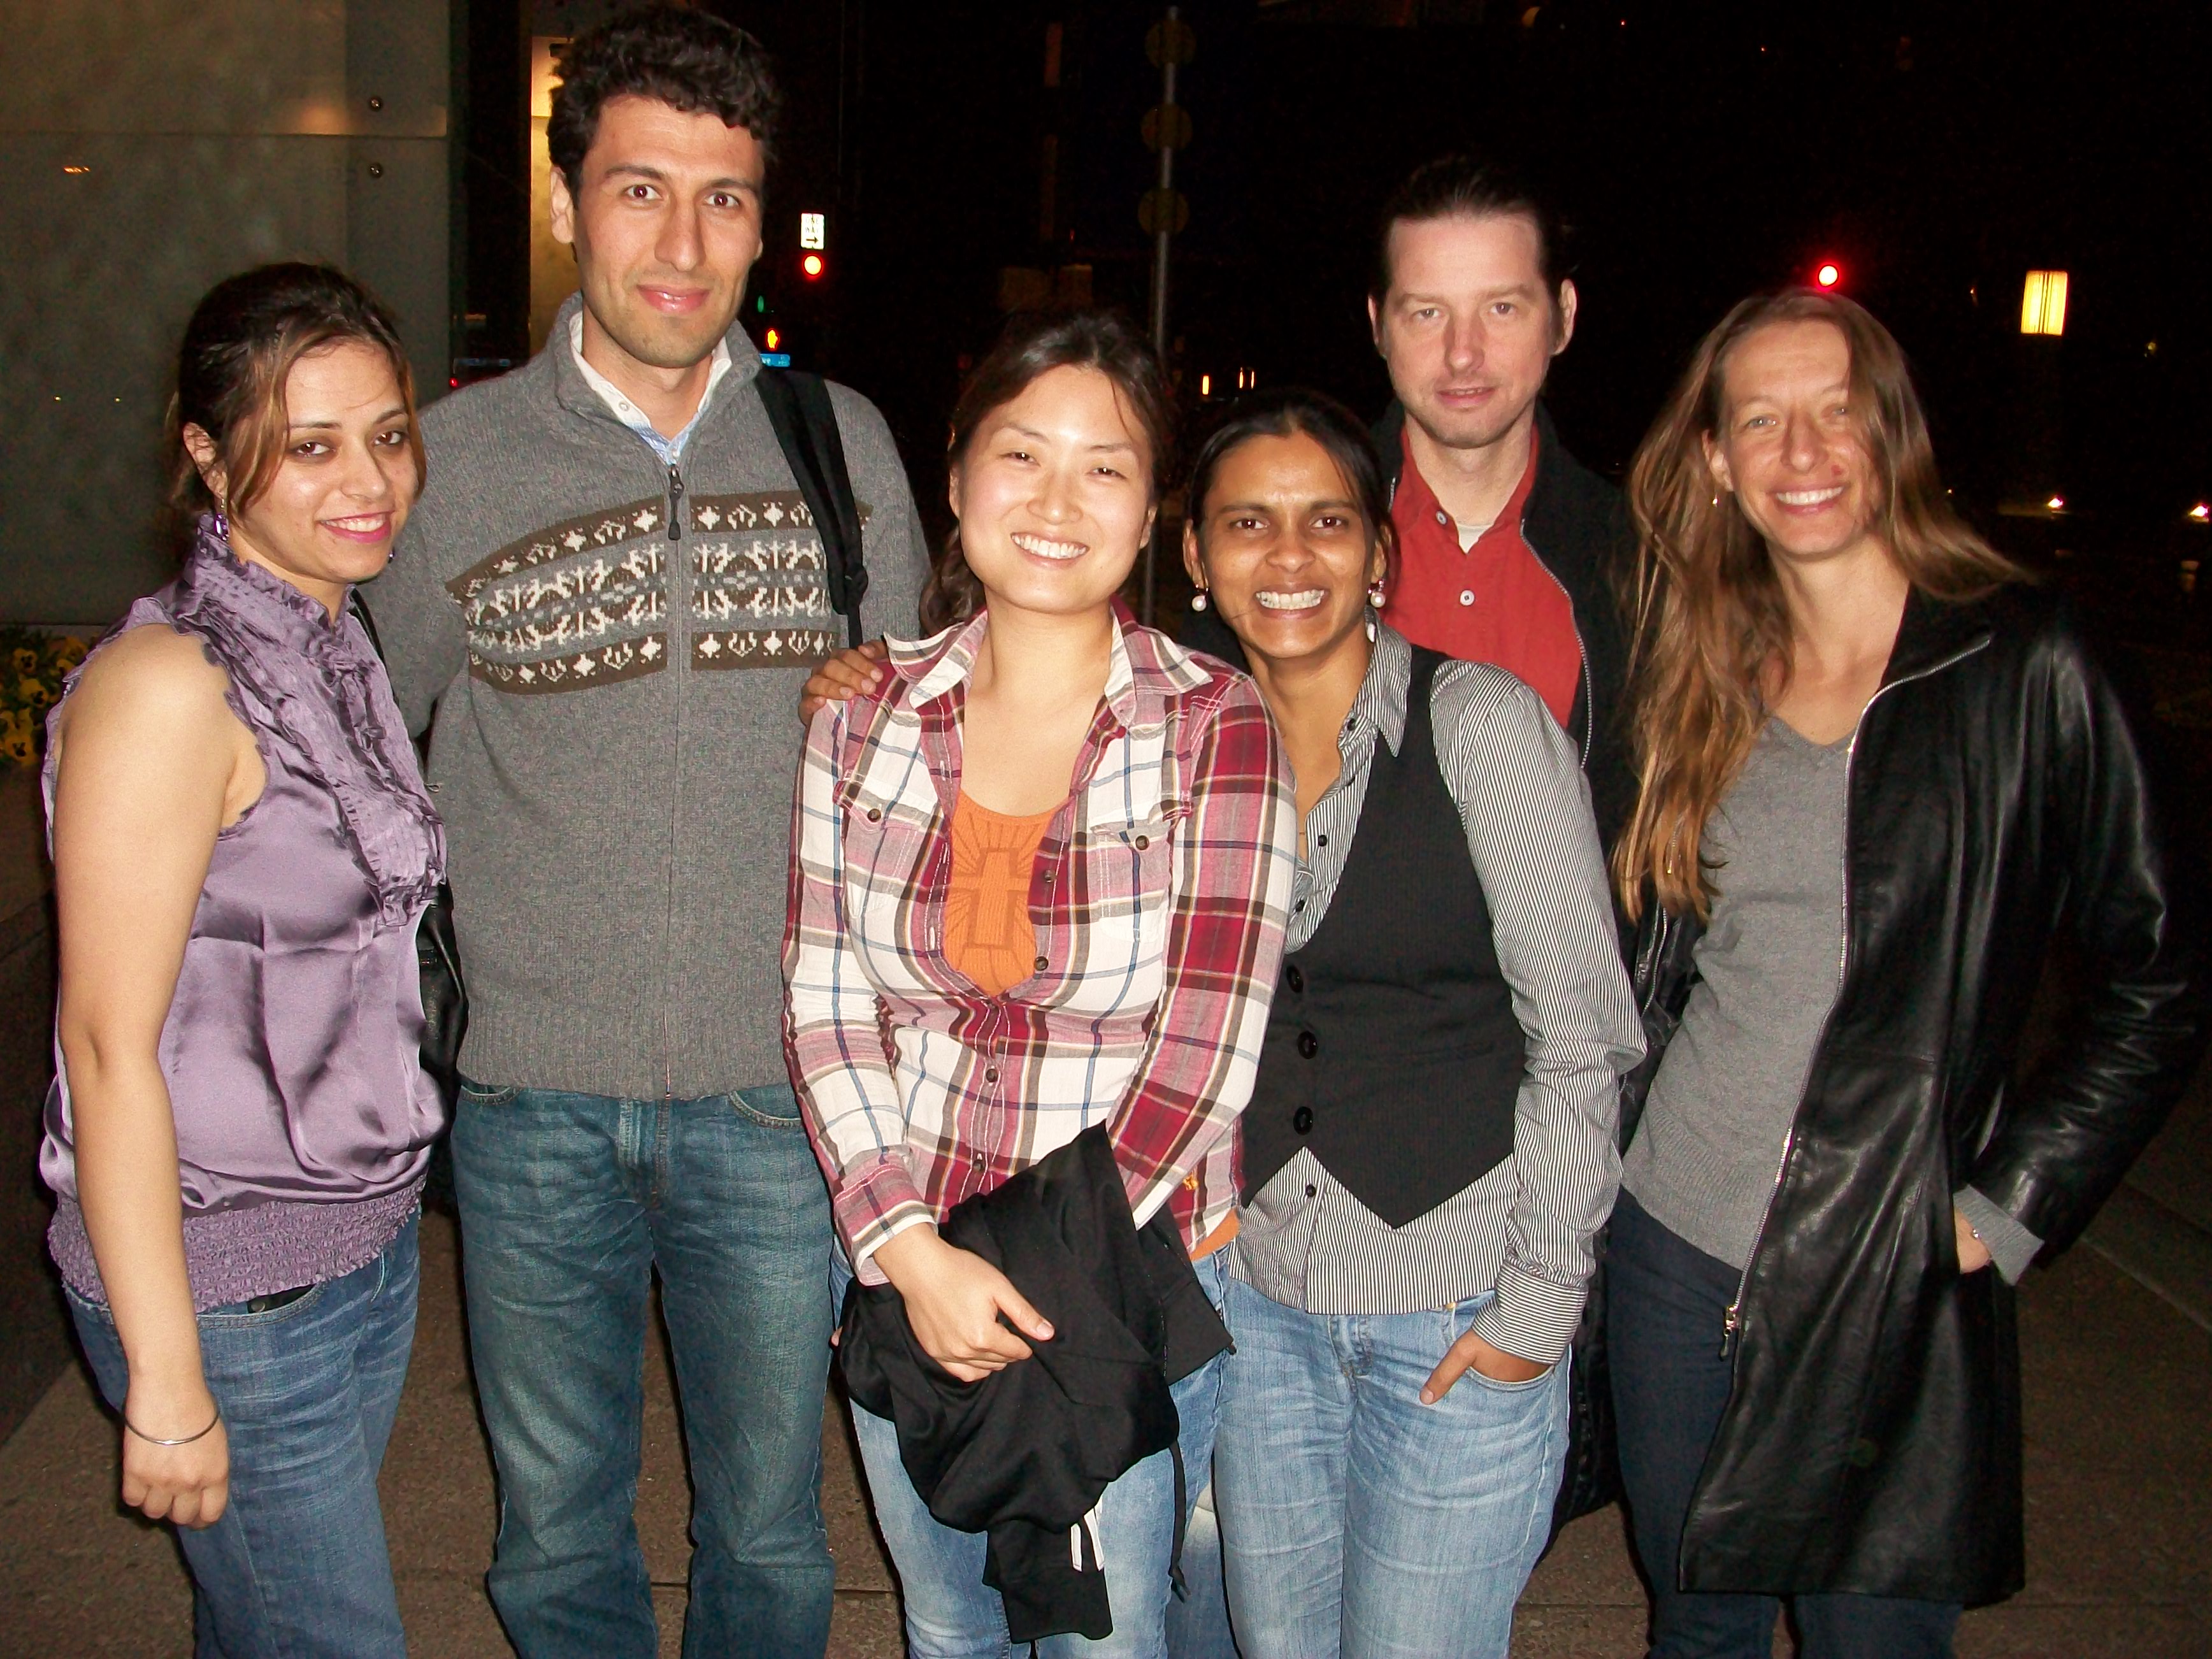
x=1025 y=1453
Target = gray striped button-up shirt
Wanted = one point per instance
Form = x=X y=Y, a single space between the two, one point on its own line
x=1525 y=1227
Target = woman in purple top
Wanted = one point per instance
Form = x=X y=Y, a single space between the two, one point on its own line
x=242 y=850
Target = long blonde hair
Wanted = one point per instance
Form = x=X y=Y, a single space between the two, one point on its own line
x=1707 y=612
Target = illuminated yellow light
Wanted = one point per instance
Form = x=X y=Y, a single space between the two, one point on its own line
x=2043 y=303
x=775 y=339
x=1206 y=386
x=812 y=265
x=2056 y=503
x=75 y=169
x=2201 y=512
x=1829 y=275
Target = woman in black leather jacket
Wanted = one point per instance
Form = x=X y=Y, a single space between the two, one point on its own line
x=1878 y=772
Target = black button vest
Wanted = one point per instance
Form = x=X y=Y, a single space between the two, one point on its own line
x=1392 y=1050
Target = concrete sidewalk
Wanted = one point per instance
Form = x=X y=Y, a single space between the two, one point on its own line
x=2119 y=1503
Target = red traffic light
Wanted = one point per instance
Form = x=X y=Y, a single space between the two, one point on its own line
x=812 y=265
x=1829 y=275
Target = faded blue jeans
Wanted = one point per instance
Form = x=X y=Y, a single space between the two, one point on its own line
x=569 y=1203
x=951 y=1613
x=296 y=1568
x=1354 y=1519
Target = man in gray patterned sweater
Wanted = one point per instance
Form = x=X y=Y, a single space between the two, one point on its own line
x=609 y=594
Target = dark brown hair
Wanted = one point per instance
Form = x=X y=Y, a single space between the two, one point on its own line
x=238 y=353
x=1455 y=186
x=1709 y=617
x=689 y=59
x=1282 y=412
x=1034 y=345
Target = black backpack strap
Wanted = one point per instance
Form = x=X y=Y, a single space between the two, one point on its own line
x=797 y=406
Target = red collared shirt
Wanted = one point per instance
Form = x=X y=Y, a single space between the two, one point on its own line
x=1159 y=898
x=1494 y=603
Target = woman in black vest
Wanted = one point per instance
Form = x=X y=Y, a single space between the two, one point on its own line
x=1430 y=1147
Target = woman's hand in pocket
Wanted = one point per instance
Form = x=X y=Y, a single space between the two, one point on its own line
x=1470 y=1353
x=954 y=1299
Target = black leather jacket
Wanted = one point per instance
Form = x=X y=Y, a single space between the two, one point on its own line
x=1872 y=1441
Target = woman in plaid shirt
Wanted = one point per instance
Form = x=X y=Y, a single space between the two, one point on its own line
x=1040 y=879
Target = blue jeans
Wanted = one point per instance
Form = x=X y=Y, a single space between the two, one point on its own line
x=1354 y=1519
x=1666 y=1300
x=951 y=1613
x=296 y=1567
x=568 y=1203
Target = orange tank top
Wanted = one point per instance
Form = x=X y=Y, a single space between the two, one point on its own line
x=988 y=935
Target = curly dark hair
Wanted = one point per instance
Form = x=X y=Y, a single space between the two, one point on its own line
x=692 y=60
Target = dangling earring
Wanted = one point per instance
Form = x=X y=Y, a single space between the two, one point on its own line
x=222 y=517
x=1373 y=620
x=1198 y=601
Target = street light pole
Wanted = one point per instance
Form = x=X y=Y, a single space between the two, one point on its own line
x=1163 y=235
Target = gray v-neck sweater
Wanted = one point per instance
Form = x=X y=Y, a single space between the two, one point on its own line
x=614 y=651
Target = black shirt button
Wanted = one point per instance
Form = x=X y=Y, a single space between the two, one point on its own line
x=1300 y=906
x=1311 y=1190
x=1309 y=1045
x=990 y=1074
x=1293 y=978
x=1302 y=1120
x=1320 y=840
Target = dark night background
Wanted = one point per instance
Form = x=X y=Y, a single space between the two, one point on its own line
x=1701 y=149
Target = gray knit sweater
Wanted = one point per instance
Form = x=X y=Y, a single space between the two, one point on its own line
x=616 y=705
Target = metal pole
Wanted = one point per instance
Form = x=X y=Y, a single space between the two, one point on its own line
x=1162 y=232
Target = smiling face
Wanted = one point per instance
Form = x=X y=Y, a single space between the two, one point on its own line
x=666 y=223
x=1469 y=327
x=330 y=512
x=1788 y=446
x=1053 y=494
x=1280 y=541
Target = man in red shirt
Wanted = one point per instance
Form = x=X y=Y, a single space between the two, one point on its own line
x=1507 y=545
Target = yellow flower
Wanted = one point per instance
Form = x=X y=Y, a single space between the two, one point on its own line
x=27 y=660
x=33 y=691
x=69 y=651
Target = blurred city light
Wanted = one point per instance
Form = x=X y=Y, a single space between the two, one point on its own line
x=2056 y=503
x=812 y=265
x=2043 y=303
x=775 y=339
x=2202 y=512
x=1829 y=274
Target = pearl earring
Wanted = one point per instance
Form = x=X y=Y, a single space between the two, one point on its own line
x=1375 y=595
x=1198 y=601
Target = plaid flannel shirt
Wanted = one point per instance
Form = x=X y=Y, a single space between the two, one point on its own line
x=1159 y=897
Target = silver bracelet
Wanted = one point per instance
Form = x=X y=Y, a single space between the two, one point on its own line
x=186 y=1440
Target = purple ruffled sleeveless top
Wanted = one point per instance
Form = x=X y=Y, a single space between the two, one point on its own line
x=304 y=1118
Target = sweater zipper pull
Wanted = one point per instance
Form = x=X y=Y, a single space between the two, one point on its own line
x=675 y=504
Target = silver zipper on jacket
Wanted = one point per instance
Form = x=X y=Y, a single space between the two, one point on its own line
x=1732 y=1320
x=679 y=648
